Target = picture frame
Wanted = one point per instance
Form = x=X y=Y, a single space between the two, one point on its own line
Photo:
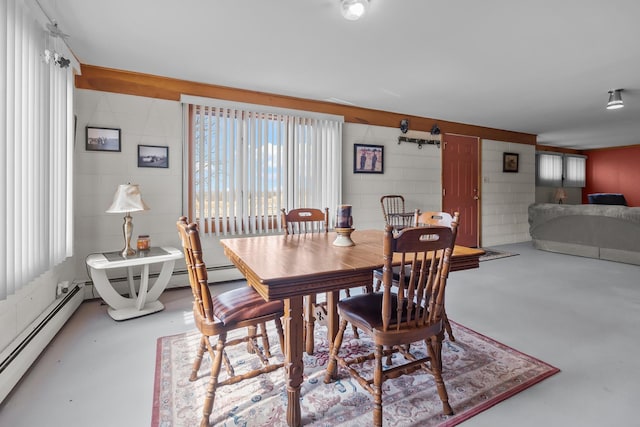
x=510 y=162
x=153 y=156
x=102 y=139
x=368 y=158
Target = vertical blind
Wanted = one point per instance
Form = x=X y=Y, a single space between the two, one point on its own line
x=246 y=165
x=36 y=127
x=575 y=170
x=549 y=169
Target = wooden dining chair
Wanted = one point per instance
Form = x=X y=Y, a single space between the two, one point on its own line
x=427 y=219
x=300 y=221
x=394 y=213
x=218 y=315
x=394 y=320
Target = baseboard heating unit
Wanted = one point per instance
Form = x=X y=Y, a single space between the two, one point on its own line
x=25 y=349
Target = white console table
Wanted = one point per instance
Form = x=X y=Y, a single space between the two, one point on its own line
x=145 y=300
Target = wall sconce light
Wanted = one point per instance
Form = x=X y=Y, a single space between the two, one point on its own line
x=435 y=130
x=404 y=125
x=353 y=10
x=615 y=100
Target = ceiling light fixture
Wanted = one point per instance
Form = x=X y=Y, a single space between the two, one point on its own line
x=353 y=9
x=615 y=99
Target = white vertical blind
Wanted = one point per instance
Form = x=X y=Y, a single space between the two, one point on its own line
x=574 y=170
x=36 y=127
x=248 y=164
x=549 y=169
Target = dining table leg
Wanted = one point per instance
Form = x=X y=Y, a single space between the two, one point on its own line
x=333 y=321
x=294 y=367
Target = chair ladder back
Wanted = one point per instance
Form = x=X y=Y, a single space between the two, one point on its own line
x=305 y=220
x=424 y=255
x=196 y=268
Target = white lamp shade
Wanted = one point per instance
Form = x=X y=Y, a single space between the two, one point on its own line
x=127 y=199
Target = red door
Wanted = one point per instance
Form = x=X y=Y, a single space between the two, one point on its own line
x=460 y=184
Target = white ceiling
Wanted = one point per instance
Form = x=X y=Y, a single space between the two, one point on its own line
x=541 y=67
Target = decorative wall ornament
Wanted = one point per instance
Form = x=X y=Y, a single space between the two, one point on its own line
x=421 y=141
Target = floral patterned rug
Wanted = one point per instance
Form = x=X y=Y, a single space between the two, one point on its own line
x=478 y=372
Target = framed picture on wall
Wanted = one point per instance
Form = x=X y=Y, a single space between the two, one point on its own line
x=368 y=158
x=102 y=139
x=510 y=162
x=153 y=156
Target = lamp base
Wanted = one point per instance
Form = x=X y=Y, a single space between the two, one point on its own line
x=127 y=252
x=127 y=230
x=344 y=237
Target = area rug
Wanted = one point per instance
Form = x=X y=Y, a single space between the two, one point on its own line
x=478 y=372
x=490 y=254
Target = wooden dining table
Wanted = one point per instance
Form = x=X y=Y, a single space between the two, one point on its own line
x=290 y=267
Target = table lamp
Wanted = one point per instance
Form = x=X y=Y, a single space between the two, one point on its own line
x=560 y=195
x=126 y=200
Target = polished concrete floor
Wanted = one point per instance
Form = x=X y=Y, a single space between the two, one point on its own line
x=578 y=314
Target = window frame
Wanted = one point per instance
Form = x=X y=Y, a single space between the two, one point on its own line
x=291 y=156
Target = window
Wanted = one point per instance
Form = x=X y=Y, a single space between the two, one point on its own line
x=36 y=117
x=574 y=170
x=549 y=169
x=560 y=170
x=247 y=162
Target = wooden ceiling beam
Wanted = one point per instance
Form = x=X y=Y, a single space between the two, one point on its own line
x=132 y=83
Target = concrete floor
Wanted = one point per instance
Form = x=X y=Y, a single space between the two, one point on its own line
x=578 y=314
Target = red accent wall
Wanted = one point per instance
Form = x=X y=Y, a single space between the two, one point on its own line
x=614 y=170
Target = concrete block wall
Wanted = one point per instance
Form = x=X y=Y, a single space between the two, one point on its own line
x=412 y=172
x=506 y=196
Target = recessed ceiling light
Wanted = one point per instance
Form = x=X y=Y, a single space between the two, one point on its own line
x=353 y=9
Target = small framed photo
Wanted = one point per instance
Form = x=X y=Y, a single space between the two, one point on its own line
x=153 y=156
x=510 y=162
x=368 y=158
x=102 y=139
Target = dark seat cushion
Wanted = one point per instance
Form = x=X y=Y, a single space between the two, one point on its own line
x=365 y=310
x=242 y=304
x=607 y=199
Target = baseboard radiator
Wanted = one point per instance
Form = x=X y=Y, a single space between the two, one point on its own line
x=25 y=349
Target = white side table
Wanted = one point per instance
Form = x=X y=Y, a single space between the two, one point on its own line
x=140 y=303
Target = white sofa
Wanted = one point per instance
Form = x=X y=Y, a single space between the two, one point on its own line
x=598 y=231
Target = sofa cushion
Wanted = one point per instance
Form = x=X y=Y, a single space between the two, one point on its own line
x=607 y=199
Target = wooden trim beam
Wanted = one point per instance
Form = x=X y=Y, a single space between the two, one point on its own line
x=147 y=85
x=558 y=149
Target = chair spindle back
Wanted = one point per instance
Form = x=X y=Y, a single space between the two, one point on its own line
x=425 y=255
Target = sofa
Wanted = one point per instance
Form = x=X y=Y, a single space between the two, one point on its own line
x=610 y=232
